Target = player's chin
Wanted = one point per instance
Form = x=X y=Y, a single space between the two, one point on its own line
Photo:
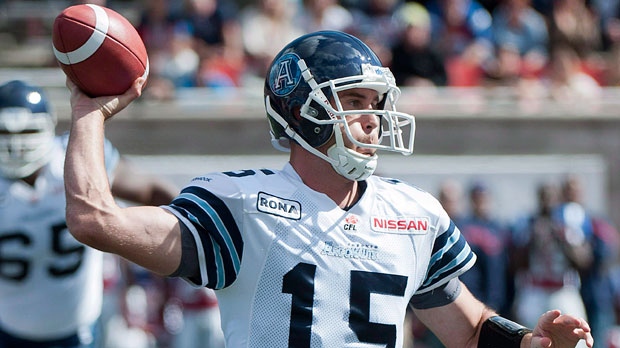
x=366 y=151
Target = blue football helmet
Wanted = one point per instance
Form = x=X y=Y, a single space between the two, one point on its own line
x=301 y=100
x=27 y=129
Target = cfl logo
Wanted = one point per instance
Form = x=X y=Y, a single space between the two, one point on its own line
x=350 y=223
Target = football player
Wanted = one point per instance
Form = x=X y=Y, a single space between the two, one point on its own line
x=320 y=253
x=50 y=284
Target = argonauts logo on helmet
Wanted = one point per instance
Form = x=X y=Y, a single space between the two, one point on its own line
x=285 y=74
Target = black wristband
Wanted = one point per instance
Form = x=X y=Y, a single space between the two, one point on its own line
x=499 y=332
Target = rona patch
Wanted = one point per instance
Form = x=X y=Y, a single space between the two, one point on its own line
x=273 y=205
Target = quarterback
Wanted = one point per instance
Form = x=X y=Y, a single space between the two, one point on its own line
x=320 y=253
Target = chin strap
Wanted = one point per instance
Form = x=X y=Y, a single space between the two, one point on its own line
x=350 y=164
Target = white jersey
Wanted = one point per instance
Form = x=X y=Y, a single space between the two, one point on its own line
x=292 y=269
x=50 y=284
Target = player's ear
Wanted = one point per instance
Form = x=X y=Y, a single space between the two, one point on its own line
x=297 y=113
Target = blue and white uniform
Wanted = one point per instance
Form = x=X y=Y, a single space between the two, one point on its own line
x=291 y=268
x=50 y=284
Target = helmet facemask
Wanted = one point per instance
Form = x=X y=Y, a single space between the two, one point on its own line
x=397 y=129
x=26 y=140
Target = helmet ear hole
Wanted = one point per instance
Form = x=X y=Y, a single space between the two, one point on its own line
x=316 y=133
x=296 y=115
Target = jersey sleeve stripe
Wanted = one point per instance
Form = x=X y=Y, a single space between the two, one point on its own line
x=451 y=238
x=451 y=257
x=218 y=232
x=204 y=277
x=218 y=260
x=218 y=223
x=215 y=275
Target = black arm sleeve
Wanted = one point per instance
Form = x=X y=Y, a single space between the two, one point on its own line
x=188 y=267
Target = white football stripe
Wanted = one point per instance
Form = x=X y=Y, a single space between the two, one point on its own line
x=146 y=69
x=93 y=43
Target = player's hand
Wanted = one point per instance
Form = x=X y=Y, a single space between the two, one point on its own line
x=555 y=330
x=108 y=106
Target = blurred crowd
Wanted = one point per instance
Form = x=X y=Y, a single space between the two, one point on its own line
x=564 y=49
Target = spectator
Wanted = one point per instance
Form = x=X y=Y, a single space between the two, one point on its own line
x=199 y=320
x=450 y=197
x=461 y=29
x=580 y=224
x=520 y=33
x=608 y=12
x=143 y=299
x=548 y=259
x=487 y=238
x=574 y=24
x=138 y=322
x=267 y=26
x=216 y=30
x=598 y=284
x=414 y=61
x=374 y=21
x=568 y=83
x=172 y=58
x=315 y=15
x=506 y=70
x=116 y=330
x=612 y=72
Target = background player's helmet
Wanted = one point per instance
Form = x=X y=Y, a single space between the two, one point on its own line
x=303 y=106
x=27 y=129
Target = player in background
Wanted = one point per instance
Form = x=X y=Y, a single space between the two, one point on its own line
x=198 y=316
x=487 y=237
x=50 y=284
x=546 y=264
x=320 y=253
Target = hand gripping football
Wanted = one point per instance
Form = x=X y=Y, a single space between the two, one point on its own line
x=98 y=49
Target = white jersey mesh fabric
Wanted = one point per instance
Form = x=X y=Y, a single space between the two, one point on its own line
x=312 y=274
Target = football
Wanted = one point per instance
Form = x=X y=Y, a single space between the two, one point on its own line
x=98 y=49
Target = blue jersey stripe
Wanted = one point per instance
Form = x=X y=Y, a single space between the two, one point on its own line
x=219 y=260
x=451 y=254
x=221 y=277
x=218 y=232
x=208 y=249
x=454 y=267
x=223 y=212
x=217 y=223
x=229 y=239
